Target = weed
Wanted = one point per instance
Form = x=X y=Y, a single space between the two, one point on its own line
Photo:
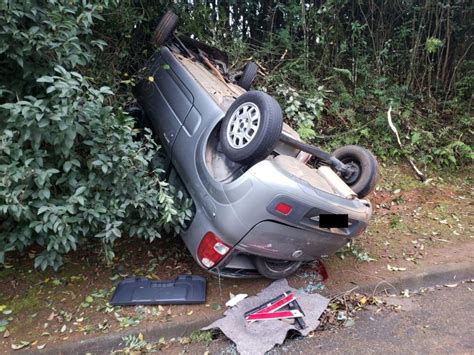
x=134 y=342
x=394 y=222
x=355 y=250
x=201 y=336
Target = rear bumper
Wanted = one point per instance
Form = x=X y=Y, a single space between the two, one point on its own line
x=248 y=221
x=279 y=241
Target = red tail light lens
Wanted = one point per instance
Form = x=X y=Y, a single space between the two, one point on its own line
x=283 y=208
x=211 y=250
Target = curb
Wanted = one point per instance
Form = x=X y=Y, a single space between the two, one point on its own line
x=432 y=276
x=104 y=344
x=437 y=275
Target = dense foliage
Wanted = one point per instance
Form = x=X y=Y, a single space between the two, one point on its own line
x=336 y=65
x=70 y=168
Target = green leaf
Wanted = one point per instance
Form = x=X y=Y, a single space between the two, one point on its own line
x=415 y=137
x=80 y=190
x=45 y=79
x=43 y=209
x=67 y=166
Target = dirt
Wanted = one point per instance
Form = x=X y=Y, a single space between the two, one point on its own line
x=414 y=225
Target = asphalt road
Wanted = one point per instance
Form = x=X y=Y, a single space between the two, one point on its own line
x=437 y=322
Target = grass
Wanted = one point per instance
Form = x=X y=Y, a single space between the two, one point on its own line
x=201 y=336
x=394 y=222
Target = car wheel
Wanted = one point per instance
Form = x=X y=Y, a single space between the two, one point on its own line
x=276 y=269
x=251 y=127
x=248 y=75
x=364 y=168
x=165 y=28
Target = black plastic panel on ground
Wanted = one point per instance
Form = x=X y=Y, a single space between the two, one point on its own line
x=185 y=289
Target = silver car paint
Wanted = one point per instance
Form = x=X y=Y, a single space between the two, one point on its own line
x=237 y=211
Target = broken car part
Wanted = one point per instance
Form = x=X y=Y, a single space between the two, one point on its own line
x=184 y=289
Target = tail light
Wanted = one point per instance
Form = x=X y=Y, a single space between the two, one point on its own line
x=283 y=208
x=211 y=250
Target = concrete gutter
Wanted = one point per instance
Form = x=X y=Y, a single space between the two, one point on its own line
x=106 y=343
x=431 y=276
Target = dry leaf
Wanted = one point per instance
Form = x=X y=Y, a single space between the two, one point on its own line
x=185 y=340
x=20 y=346
x=41 y=347
x=395 y=268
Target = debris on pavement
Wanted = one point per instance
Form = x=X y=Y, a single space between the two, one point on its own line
x=341 y=316
x=235 y=299
x=451 y=285
x=395 y=268
x=259 y=337
x=342 y=309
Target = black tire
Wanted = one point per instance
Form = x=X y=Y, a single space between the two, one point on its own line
x=363 y=181
x=262 y=139
x=248 y=75
x=164 y=29
x=276 y=269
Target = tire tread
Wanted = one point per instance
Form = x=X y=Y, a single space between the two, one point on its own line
x=165 y=28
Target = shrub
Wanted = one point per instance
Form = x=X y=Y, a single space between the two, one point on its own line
x=70 y=166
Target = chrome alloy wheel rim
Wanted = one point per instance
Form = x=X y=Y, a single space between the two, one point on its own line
x=243 y=125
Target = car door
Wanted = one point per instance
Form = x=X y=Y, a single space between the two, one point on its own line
x=164 y=98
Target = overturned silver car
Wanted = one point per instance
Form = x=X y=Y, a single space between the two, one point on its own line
x=259 y=207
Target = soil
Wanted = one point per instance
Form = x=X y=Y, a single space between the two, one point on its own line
x=414 y=224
